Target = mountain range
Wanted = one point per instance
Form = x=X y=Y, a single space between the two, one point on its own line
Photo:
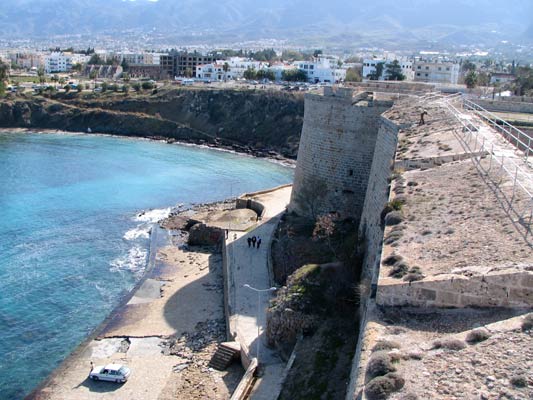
x=428 y=21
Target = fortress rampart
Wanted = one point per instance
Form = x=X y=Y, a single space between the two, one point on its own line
x=336 y=152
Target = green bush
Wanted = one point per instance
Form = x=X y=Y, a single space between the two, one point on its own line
x=147 y=85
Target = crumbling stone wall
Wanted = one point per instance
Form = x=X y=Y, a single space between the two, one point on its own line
x=336 y=152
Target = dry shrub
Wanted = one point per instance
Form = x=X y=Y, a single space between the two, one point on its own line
x=527 y=323
x=477 y=335
x=449 y=344
x=381 y=387
x=380 y=364
x=386 y=345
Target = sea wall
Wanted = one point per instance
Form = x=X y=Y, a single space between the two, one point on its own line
x=335 y=154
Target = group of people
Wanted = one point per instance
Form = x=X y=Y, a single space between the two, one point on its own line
x=254 y=241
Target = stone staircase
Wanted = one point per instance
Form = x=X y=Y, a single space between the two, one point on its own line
x=225 y=354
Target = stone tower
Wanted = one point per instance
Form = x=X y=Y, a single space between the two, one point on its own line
x=336 y=151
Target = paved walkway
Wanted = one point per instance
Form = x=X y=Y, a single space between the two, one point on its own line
x=248 y=265
x=493 y=140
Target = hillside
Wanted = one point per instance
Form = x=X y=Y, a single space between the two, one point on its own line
x=418 y=20
x=245 y=120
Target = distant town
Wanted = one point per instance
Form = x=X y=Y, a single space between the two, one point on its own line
x=90 y=69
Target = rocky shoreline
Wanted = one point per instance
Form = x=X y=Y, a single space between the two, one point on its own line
x=265 y=124
x=169 y=325
x=232 y=148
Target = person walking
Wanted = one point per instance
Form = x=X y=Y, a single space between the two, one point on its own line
x=422 y=115
x=258 y=242
x=249 y=240
x=254 y=240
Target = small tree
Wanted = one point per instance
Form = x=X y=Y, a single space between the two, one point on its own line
x=3 y=77
x=79 y=88
x=125 y=89
x=105 y=86
x=471 y=80
x=353 y=75
x=374 y=76
x=41 y=75
x=124 y=64
x=67 y=88
x=96 y=60
x=250 y=74
x=136 y=86
x=394 y=71
x=468 y=66
x=147 y=85
x=325 y=229
x=317 y=53
x=225 y=67
x=265 y=74
x=294 y=75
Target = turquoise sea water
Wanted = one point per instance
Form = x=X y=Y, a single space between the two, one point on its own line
x=71 y=242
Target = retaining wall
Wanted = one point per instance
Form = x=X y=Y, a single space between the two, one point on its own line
x=505 y=106
x=504 y=289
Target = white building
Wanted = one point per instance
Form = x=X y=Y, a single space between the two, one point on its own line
x=326 y=69
x=436 y=71
x=57 y=62
x=236 y=66
x=370 y=66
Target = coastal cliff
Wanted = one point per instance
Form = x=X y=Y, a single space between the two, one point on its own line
x=246 y=120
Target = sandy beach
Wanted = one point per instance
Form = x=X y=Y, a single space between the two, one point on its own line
x=166 y=333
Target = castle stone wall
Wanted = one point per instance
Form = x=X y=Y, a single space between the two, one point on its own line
x=505 y=106
x=377 y=197
x=336 y=152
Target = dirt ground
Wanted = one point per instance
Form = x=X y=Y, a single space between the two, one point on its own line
x=469 y=370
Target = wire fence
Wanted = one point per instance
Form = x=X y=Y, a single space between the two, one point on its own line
x=510 y=181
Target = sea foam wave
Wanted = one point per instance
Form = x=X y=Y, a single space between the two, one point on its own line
x=134 y=261
x=153 y=216
x=141 y=232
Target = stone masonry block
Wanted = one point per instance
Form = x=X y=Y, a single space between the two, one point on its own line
x=427 y=294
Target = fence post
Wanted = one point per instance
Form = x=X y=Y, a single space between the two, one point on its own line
x=528 y=229
x=491 y=155
x=514 y=187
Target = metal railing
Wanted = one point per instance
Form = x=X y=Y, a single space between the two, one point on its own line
x=499 y=172
x=515 y=136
